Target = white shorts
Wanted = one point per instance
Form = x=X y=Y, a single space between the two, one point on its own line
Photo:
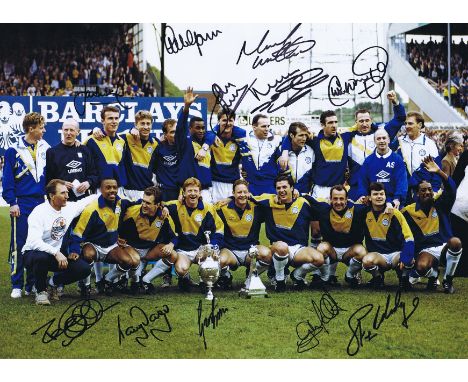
x=434 y=251
x=190 y=254
x=293 y=249
x=132 y=195
x=390 y=257
x=340 y=252
x=142 y=252
x=207 y=195
x=102 y=252
x=221 y=191
x=321 y=193
x=240 y=255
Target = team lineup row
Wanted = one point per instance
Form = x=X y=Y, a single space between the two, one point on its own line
x=213 y=158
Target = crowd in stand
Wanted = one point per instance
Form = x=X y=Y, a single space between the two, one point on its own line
x=430 y=61
x=108 y=65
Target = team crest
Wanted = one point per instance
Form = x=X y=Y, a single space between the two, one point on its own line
x=43 y=156
x=308 y=160
x=339 y=143
x=348 y=215
x=232 y=147
x=158 y=224
x=117 y=210
x=80 y=155
x=118 y=147
x=385 y=222
x=295 y=210
x=434 y=214
x=58 y=228
x=150 y=150
x=248 y=218
x=422 y=152
x=198 y=218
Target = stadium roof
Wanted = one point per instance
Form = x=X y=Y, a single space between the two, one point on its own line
x=440 y=29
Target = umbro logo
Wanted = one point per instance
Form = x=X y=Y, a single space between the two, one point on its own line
x=73 y=164
x=382 y=174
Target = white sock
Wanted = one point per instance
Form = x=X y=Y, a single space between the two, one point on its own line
x=114 y=274
x=374 y=271
x=98 y=271
x=301 y=272
x=159 y=268
x=354 y=267
x=51 y=281
x=140 y=269
x=325 y=269
x=280 y=263
x=452 y=261
x=432 y=273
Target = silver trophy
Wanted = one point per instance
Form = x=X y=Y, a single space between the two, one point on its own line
x=209 y=267
x=254 y=286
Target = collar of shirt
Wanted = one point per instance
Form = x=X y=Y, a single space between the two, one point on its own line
x=385 y=156
x=233 y=206
x=104 y=203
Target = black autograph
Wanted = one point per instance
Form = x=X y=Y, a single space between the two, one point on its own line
x=175 y=44
x=86 y=94
x=371 y=78
x=298 y=82
x=212 y=319
x=74 y=322
x=326 y=310
x=355 y=321
x=146 y=325
x=279 y=51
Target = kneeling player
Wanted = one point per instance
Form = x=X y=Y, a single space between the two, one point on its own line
x=242 y=221
x=389 y=240
x=429 y=219
x=95 y=235
x=192 y=218
x=342 y=231
x=144 y=228
x=287 y=222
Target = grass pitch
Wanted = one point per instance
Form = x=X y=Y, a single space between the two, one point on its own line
x=307 y=324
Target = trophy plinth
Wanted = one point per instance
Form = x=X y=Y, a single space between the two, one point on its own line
x=209 y=267
x=254 y=286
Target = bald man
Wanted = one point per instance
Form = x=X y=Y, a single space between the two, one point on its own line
x=386 y=167
x=72 y=162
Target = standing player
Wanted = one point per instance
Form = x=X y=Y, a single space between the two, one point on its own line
x=194 y=150
x=386 y=167
x=48 y=224
x=242 y=221
x=429 y=219
x=72 y=163
x=108 y=151
x=165 y=162
x=260 y=163
x=24 y=189
x=287 y=227
x=362 y=145
x=192 y=217
x=95 y=237
x=389 y=240
x=226 y=154
x=144 y=228
x=137 y=156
